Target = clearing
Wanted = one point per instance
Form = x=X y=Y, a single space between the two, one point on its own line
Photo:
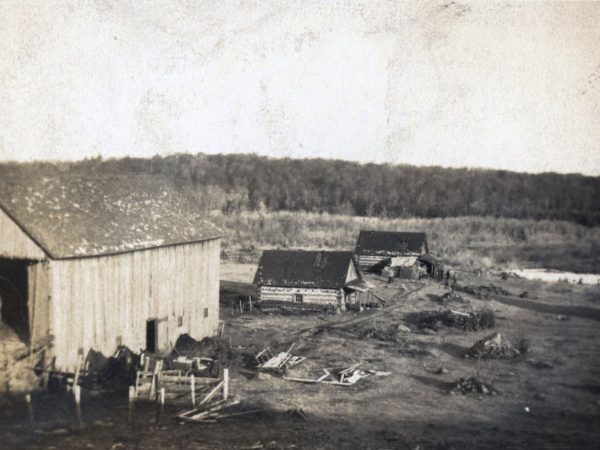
x=549 y=396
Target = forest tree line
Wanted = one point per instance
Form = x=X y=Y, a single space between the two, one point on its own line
x=250 y=182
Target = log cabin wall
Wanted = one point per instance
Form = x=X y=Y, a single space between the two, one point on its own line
x=287 y=294
x=100 y=302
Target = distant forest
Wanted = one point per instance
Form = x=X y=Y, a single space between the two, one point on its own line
x=249 y=182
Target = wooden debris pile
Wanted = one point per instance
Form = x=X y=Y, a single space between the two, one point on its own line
x=175 y=385
x=339 y=376
x=494 y=346
x=216 y=405
x=473 y=385
x=267 y=360
x=466 y=321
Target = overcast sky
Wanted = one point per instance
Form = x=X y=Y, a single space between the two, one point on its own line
x=502 y=85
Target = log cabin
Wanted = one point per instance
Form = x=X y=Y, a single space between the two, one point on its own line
x=311 y=278
x=92 y=264
x=400 y=249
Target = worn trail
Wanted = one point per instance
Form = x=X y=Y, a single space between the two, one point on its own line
x=370 y=315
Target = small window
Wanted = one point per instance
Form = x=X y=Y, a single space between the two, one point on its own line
x=180 y=321
x=205 y=313
x=298 y=298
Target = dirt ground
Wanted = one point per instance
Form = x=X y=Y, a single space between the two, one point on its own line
x=548 y=397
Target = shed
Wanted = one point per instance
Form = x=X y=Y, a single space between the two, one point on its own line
x=374 y=249
x=91 y=264
x=328 y=278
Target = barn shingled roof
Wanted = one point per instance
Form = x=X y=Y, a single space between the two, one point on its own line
x=70 y=217
x=303 y=268
x=390 y=243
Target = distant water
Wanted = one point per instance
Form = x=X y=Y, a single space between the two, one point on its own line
x=554 y=276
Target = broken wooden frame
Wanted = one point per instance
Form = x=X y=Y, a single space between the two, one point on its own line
x=339 y=376
x=176 y=385
x=269 y=361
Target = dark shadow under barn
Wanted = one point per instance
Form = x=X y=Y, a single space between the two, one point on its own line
x=13 y=296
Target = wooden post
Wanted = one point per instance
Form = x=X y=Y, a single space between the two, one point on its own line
x=225 y=384
x=162 y=403
x=29 y=407
x=132 y=397
x=250 y=302
x=241 y=306
x=77 y=395
x=132 y=393
x=77 y=370
x=193 y=389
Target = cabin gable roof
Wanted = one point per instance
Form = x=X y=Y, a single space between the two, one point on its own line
x=390 y=243
x=306 y=269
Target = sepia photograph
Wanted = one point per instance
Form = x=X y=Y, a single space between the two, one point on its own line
x=299 y=224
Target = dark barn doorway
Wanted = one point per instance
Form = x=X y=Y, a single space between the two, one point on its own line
x=14 y=296
x=151 y=335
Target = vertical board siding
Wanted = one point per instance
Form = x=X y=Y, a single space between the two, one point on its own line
x=14 y=243
x=96 y=300
x=38 y=304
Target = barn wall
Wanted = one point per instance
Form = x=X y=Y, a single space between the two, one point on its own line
x=14 y=243
x=98 y=302
x=284 y=294
x=38 y=280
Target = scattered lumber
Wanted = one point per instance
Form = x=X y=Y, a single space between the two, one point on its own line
x=214 y=407
x=269 y=361
x=345 y=376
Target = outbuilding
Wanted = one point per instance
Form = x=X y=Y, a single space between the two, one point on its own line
x=92 y=264
x=301 y=277
x=399 y=249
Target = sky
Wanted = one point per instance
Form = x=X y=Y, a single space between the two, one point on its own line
x=509 y=85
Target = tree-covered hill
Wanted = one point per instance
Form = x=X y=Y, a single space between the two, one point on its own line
x=248 y=181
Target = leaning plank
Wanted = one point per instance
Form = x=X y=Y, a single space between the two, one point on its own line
x=198 y=409
x=241 y=413
x=213 y=410
x=212 y=393
x=189 y=419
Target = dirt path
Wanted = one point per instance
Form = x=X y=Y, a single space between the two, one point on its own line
x=565 y=310
x=367 y=315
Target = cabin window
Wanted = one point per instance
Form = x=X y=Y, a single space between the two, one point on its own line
x=298 y=298
x=205 y=313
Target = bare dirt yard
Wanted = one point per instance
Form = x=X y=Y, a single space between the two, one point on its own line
x=547 y=396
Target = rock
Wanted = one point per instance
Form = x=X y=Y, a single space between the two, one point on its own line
x=403 y=328
x=442 y=370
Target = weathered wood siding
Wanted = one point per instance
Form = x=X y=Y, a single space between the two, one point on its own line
x=101 y=301
x=365 y=262
x=38 y=288
x=286 y=294
x=14 y=243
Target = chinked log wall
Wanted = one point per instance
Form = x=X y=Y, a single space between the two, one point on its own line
x=284 y=294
